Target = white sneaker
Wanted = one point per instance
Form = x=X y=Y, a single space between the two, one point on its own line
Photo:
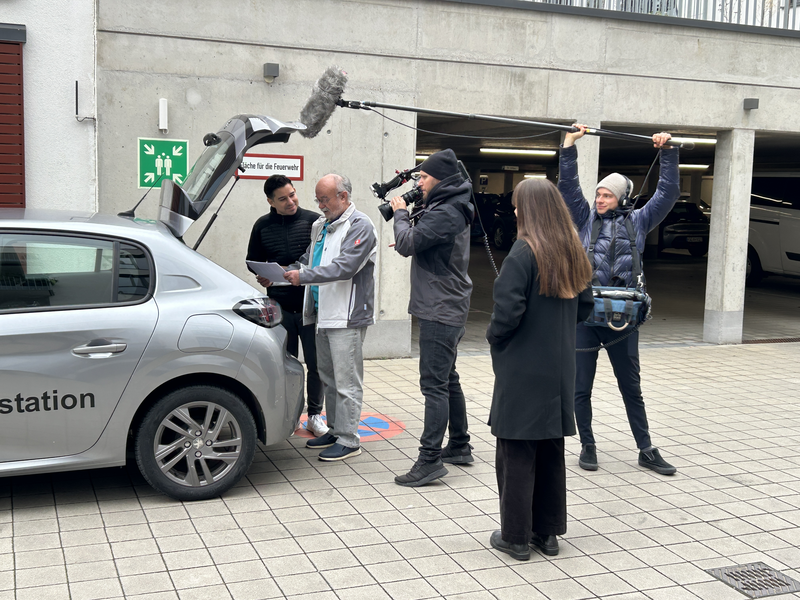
x=316 y=425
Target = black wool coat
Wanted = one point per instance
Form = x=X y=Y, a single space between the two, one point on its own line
x=532 y=341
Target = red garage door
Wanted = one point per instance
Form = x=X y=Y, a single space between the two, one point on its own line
x=12 y=160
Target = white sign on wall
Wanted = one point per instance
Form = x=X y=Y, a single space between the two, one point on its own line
x=261 y=166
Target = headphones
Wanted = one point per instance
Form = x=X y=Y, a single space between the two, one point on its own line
x=627 y=200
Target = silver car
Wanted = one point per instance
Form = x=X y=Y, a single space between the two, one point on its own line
x=116 y=336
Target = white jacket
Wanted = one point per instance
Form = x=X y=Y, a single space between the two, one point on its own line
x=345 y=275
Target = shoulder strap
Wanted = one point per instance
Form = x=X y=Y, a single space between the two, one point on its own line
x=635 y=258
x=596 y=224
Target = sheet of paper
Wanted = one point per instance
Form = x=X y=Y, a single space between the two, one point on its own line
x=272 y=271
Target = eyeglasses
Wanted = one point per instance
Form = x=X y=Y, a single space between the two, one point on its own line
x=325 y=199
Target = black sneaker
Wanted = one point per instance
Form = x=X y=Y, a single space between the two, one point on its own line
x=546 y=543
x=421 y=473
x=588 y=458
x=457 y=456
x=518 y=551
x=323 y=441
x=651 y=459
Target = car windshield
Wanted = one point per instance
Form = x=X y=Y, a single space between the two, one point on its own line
x=687 y=211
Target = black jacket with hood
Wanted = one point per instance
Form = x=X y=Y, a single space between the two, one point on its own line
x=439 y=247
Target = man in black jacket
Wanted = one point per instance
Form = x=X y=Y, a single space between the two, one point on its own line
x=282 y=236
x=440 y=289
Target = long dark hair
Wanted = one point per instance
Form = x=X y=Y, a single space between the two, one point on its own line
x=543 y=221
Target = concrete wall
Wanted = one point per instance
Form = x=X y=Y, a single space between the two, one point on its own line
x=60 y=153
x=207 y=60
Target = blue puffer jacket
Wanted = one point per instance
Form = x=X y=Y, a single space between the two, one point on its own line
x=612 y=250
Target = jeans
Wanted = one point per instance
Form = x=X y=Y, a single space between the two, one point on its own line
x=341 y=369
x=438 y=381
x=624 y=357
x=532 y=481
x=293 y=323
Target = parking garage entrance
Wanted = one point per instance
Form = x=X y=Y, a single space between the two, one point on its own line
x=676 y=254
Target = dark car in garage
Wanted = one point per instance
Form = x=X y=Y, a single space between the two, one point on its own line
x=686 y=228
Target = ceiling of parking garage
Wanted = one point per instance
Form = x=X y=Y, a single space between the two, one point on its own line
x=773 y=151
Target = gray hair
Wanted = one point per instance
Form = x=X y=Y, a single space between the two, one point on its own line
x=343 y=184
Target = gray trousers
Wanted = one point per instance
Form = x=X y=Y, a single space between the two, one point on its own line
x=341 y=368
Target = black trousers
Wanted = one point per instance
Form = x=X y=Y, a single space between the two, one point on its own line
x=293 y=323
x=624 y=357
x=532 y=481
x=445 y=406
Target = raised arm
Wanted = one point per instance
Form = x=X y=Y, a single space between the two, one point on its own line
x=568 y=183
x=667 y=192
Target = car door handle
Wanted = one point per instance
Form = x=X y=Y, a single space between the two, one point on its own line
x=104 y=347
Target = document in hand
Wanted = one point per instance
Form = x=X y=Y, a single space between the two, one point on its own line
x=272 y=271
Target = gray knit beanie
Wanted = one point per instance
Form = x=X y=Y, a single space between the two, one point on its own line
x=614 y=183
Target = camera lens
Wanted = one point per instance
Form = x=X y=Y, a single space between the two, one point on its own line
x=386 y=210
x=412 y=195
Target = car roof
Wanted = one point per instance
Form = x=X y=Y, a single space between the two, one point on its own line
x=85 y=222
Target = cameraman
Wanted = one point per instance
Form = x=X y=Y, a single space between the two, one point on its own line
x=613 y=266
x=440 y=290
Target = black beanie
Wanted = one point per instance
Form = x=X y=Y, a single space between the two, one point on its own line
x=441 y=164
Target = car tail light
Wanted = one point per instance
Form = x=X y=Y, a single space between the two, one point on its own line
x=261 y=311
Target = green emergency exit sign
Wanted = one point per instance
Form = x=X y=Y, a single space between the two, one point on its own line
x=162 y=159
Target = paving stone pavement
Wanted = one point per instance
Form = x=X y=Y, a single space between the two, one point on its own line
x=726 y=416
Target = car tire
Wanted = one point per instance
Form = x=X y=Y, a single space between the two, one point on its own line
x=188 y=466
x=698 y=250
x=499 y=236
x=754 y=272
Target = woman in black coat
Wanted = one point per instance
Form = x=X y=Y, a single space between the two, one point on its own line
x=541 y=293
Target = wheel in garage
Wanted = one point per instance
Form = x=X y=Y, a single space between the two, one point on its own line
x=698 y=249
x=499 y=236
x=754 y=273
x=196 y=442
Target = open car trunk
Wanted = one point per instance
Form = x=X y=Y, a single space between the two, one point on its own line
x=183 y=205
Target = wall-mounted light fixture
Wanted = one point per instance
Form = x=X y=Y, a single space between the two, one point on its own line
x=750 y=103
x=422 y=156
x=163 y=115
x=271 y=71
x=535 y=176
x=515 y=151
x=693 y=167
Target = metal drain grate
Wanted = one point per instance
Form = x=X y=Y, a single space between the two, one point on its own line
x=756 y=580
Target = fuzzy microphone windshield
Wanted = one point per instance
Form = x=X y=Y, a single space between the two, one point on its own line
x=320 y=106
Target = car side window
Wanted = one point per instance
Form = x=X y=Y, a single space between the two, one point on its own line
x=38 y=271
x=775 y=192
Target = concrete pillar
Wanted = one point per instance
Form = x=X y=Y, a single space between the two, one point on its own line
x=508 y=181
x=696 y=186
x=727 y=254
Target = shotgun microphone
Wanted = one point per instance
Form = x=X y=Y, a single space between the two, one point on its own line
x=326 y=93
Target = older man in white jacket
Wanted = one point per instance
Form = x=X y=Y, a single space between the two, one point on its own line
x=338 y=272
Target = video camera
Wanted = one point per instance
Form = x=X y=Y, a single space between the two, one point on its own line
x=412 y=196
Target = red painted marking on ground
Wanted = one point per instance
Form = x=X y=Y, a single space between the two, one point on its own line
x=371 y=427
